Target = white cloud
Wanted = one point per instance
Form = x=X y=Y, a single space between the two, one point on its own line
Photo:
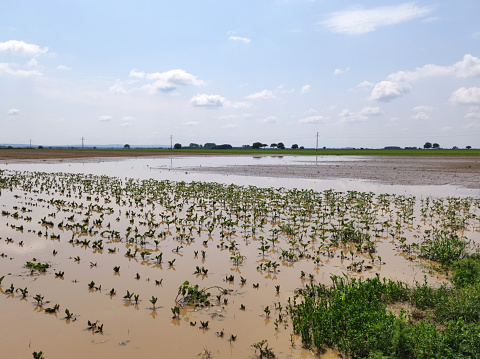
x=191 y=123
x=282 y=89
x=245 y=40
x=366 y=84
x=339 y=71
x=422 y=113
x=63 y=68
x=262 y=95
x=128 y=118
x=370 y=111
x=21 y=48
x=269 y=119
x=388 y=90
x=105 y=118
x=230 y=125
x=170 y=80
x=13 y=112
x=237 y=105
x=472 y=125
x=235 y=117
x=155 y=82
x=398 y=83
x=137 y=74
x=205 y=100
x=305 y=89
x=473 y=115
x=423 y=108
x=421 y=116
x=360 y=21
x=32 y=63
x=118 y=88
x=363 y=115
x=464 y=96
x=8 y=69
x=313 y=120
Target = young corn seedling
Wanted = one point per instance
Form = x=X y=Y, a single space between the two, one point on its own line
x=39 y=299
x=153 y=301
x=52 y=310
x=23 y=291
x=68 y=314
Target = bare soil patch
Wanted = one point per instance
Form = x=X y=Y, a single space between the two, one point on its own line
x=458 y=171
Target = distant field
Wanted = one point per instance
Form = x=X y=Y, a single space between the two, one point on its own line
x=54 y=153
x=345 y=152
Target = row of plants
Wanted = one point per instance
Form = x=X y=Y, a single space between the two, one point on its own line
x=149 y=225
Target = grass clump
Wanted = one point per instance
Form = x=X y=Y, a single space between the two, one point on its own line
x=445 y=248
x=352 y=315
x=466 y=272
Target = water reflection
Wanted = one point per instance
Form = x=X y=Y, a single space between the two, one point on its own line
x=184 y=169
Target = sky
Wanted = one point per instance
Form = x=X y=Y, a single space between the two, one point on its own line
x=359 y=73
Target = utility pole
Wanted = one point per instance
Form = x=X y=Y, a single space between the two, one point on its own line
x=171 y=139
x=30 y=143
x=83 y=139
x=316 y=147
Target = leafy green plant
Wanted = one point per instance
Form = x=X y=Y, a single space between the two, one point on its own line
x=35 y=266
x=263 y=349
x=52 y=310
x=444 y=247
x=466 y=272
x=23 y=291
x=153 y=301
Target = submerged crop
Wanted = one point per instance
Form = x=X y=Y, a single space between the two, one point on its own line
x=338 y=269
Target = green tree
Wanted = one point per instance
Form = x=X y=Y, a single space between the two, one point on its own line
x=257 y=145
x=281 y=145
x=177 y=146
x=209 y=145
x=427 y=145
x=436 y=145
x=294 y=146
x=127 y=146
x=273 y=145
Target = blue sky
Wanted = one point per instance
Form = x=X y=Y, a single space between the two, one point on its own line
x=361 y=74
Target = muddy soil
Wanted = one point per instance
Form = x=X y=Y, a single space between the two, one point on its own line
x=457 y=171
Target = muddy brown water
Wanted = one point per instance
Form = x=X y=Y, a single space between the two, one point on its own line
x=138 y=330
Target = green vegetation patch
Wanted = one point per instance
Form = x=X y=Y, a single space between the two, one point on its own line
x=354 y=317
x=35 y=266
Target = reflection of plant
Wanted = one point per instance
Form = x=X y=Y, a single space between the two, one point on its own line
x=37 y=355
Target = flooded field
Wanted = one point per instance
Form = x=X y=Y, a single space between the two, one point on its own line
x=147 y=257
